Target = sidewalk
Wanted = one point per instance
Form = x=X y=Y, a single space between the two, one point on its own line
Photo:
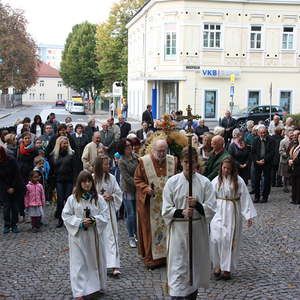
x=5 y=112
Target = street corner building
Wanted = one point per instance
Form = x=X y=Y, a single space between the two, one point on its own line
x=213 y=55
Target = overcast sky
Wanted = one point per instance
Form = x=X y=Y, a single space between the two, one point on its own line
x=50 y=21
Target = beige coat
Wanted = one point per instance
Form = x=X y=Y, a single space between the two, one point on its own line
x=89 y=156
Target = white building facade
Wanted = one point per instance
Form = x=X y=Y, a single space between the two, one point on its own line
x=192 y=52
x=49 y=86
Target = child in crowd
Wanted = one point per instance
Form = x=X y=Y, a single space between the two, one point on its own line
x=35 y=200
x=85 y=216
x=107 y=186
x=233 y=203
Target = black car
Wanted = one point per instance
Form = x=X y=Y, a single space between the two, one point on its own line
x=257 y=113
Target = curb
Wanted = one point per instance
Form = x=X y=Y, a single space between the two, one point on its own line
x=4 y=116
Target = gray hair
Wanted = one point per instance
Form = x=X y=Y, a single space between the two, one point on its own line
x=236 y=133
x=250 y=124
x=218 y=130
x=261 y=126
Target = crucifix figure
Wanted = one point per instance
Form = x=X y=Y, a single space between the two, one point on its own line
x=87 y=214
x=102 y=191
x=189 y=117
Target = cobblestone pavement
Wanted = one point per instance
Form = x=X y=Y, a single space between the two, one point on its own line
x=36 y=266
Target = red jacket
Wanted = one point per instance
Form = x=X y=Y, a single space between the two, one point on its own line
x=35 y=195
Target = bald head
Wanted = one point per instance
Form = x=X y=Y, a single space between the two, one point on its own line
x=97 y=137
x=160 y=148
x=217 y=143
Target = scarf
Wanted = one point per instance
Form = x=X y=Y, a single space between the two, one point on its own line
x=87 y=196
x=26 y=150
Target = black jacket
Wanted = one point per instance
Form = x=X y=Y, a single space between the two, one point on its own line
x=33 y=128
x=200 y=130
x=147 y=117
x=62 y=169
x=124 y=128
x=277 y=139
x=228 y=123
x=89 y=131
x=295 y=171
x=270 y=150
x=140 y=134
x=25 y=162
x=241 y=156
x=10 y=176
x=80 y=143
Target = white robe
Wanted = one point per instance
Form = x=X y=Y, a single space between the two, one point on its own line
x=87 y=255
x=110 y=234
x=174 y=197
x=225 y=226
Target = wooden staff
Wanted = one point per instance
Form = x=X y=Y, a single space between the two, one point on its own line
x=190 y=119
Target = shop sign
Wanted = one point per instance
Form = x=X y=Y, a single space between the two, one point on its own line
x=216 y=73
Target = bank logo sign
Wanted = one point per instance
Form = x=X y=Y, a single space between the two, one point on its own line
x=213 y=73
x=216 y=73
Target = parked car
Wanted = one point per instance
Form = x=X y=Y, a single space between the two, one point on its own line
x=257 y=113
x=77 y=108
x=60 y=103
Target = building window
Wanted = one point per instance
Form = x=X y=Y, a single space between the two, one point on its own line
x=59 y=96
x=31 y=96
x=170 y=45
x=210 y=105
x=59 y=84
x=285 y=100
x=212 y=36
x=253 y=98
x=42 y=96
x=256 y=37
x=288 y=38
x=42 y=83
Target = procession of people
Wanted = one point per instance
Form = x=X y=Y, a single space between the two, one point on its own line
x=93 y=176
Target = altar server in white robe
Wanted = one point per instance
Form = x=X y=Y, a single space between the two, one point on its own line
x=108 y=187
x=233 y=203
x=85 y=216
x=176 y=209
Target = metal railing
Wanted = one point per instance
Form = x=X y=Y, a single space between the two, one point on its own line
x=10 y=101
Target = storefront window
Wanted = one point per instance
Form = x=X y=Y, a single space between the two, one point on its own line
x=169 y=97
x=253 y=98
x=210 y=104
x=285 y=100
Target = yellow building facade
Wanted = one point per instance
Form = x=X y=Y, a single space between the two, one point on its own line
x=214 y=55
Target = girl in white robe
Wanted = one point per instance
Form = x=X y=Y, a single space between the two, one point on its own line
x=108 y=187
x=233 y=203
x=85 y=216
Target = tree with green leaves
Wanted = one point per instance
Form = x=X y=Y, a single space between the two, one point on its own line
x=18 y=58
x=79 y=67
x=112 y=42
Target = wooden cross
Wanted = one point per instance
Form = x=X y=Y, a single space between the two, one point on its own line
x=102 y=191
x=189 y=117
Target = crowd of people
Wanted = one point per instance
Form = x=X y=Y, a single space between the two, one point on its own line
x=96 y=177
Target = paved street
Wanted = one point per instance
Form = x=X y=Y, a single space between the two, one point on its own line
x=8 y=117
x=35 y=266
